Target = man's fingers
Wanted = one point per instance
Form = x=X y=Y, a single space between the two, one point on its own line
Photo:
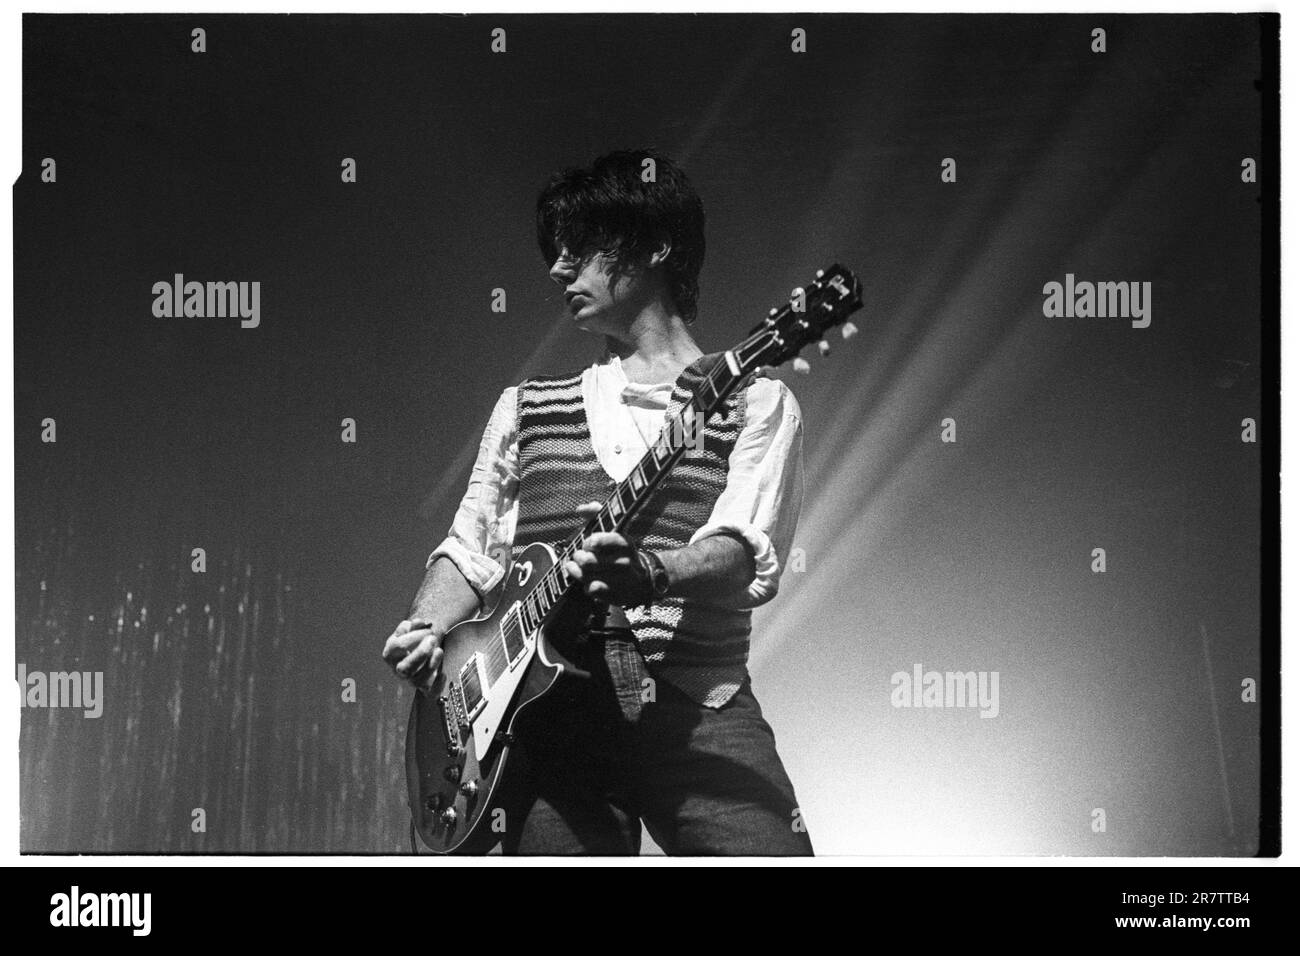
x=421 y=653
x=402 y=627
x=608 y=552
x=427 y=676
x=605 y=541
x=590 y=508
x=399 y=645
x=612 y=556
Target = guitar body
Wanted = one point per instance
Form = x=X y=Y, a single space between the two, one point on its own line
x=463 y=734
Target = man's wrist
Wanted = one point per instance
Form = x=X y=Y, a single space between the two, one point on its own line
x=655 y=574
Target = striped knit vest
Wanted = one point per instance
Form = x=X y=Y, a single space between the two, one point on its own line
x=700 y=649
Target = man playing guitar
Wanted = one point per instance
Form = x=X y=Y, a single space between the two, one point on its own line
x=666 y=731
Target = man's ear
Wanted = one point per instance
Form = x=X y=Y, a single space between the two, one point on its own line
x=660 y=252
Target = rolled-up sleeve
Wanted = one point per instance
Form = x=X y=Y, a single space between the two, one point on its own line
x=765 y=484
x=482 y=532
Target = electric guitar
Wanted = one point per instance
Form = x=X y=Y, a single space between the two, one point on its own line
x=465 y=734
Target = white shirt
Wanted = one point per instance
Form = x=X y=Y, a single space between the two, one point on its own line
x=761 y=500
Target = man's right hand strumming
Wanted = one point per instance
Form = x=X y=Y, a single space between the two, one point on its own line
x=414 y=652
x=445 y=598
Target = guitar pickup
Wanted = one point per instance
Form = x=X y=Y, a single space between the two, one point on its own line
x=469 y=698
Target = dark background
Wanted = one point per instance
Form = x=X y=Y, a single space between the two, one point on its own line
x=1119 y=691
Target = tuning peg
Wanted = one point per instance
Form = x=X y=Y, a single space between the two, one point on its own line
x=824 y=347
x=848 y=330
x=801 y=366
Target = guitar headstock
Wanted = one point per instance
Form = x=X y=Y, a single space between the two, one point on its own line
x=812 y=311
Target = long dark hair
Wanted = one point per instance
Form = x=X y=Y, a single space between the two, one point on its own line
x=612 y=207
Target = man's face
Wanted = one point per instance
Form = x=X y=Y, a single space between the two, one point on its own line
x=601 y=295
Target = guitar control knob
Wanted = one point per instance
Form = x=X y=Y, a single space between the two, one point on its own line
x=848 y=330
x=801 y=366
x=469 y=788
x=824 y=347
x=448 y=817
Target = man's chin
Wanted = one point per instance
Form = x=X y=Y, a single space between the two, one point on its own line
x=587 y=323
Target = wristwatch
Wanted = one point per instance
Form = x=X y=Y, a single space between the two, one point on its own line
x=657 y=572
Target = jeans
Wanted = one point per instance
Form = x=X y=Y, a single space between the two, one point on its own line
x=607 y=757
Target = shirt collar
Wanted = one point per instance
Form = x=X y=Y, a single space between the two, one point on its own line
x=646 y=395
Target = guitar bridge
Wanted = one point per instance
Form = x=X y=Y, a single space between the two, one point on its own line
x=457 y=698
x=456 y=715
x=449 y=725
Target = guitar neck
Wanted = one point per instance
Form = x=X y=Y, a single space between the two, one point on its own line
x=684 y=430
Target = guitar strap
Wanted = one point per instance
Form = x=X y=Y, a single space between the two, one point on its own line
x=606 y=617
